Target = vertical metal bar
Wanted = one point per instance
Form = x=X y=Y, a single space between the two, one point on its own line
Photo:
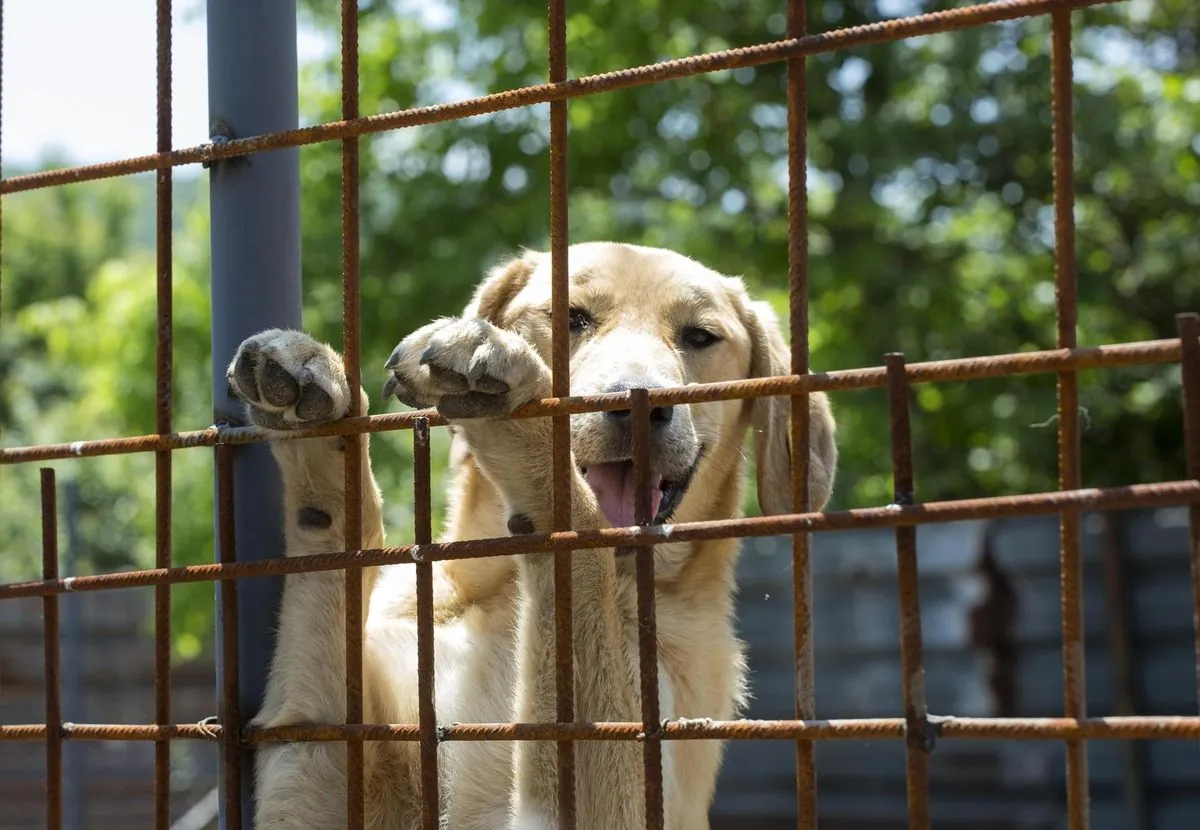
x=1189 y=338
x=426 y=676
x=255 y=239
x=231 y=710
x=350 y=355
x=797 y=107
x=162 y=425
x=1071 y=560
x=911 y=662
x=560 y=365
x=647 y=622
x=51 y=641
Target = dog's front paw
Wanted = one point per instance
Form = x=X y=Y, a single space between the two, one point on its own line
x=289 y=380
x=467 y=369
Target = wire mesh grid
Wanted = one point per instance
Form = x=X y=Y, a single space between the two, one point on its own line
x=918 y=729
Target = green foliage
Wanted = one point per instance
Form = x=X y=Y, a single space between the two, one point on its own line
x=931 y=232
x=83 y=366
x=930 y=200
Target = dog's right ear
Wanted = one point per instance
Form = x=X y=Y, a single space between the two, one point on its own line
x=771 y=419
x=502 y=284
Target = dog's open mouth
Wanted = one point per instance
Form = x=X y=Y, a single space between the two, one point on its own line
x=612 y=482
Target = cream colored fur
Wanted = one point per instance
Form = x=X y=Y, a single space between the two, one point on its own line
x=494 y=617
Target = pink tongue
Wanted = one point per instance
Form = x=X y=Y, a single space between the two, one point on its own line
x=613 y=486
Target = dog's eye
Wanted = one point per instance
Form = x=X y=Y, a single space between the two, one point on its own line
x=580 y=320
x=697 y=338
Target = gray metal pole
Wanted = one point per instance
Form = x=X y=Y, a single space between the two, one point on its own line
x=255 y=212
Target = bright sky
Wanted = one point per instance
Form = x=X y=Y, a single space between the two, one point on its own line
x=79 y=78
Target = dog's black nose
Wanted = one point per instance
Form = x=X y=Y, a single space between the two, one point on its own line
x=660 y=416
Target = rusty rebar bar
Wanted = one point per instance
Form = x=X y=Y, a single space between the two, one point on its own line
x=355 y=791
x=652 y=763
x=961 y=369
x=1152 y=727
x=1066 y=305
x=113 y=732
x=1161 y=727
x=426 y=658
x=1162 y=494
x=560 y=365
x=52 y=644
x=162 y=416
x=1189 y=336
x=802 y=614
x=885 y=31
x=912 y=669
x=231 y=714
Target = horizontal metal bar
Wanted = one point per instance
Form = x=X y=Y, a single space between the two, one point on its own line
x=839 y=39
x=1163 y=727
x=893 y=515
x=936 y=371
x=114 y=732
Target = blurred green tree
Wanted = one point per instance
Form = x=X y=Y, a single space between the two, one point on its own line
x=930 y=198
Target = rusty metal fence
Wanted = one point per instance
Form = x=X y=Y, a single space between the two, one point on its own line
x=919 y=729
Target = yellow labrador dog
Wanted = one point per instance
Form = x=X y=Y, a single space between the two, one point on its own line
x=640 y=317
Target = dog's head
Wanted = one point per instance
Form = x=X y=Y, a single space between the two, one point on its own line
x=650 y=318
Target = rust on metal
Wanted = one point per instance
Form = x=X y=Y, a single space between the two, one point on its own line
x=231 y=750
x=562 y=473
x=162 y=418
x=113 y=732
x=426 y=674
x=802 y=614
x=1179 y=727
x=912 y=670
x=853 y=37
x=1189 y=334
x=1163 y=494
x=1071 y=558
x=1148 y=728
x=53 y=651
x=973 y=368
x=652 y=762
x=352 y=527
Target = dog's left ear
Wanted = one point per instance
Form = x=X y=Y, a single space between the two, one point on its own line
x=771 y=421
x=489 y=302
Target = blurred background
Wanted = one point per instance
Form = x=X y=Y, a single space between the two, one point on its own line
x=931 y=233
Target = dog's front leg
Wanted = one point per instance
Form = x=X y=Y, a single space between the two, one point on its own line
x=475 y=373
x=608 y=780
x=290 y=381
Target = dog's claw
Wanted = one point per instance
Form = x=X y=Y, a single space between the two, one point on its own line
x=389 y=388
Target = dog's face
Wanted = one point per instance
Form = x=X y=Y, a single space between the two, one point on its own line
x=650 y=318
